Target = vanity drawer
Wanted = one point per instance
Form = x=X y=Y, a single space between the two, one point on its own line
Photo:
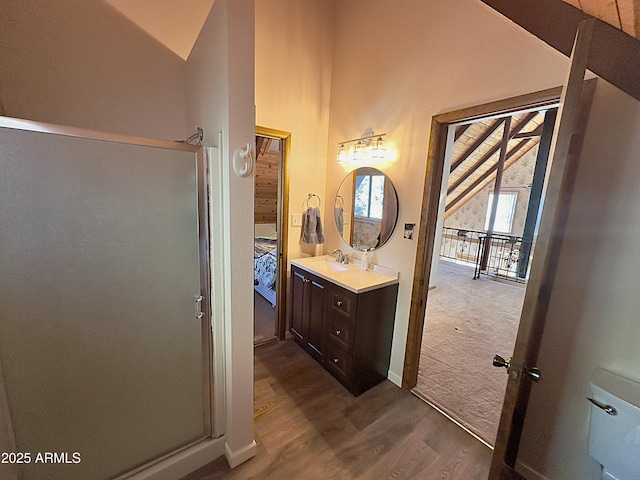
x=342 y=332
x=340 y=363
x=343 y=301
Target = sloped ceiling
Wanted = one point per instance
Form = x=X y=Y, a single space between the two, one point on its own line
x=622 y=14
x=175 y=24
x=476 y=153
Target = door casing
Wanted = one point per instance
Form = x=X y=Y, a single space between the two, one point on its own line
x=576 y=99
x=281 y=226
x=431 y=201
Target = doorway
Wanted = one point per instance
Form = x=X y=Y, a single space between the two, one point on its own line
x=480 y=230
x=270 y=234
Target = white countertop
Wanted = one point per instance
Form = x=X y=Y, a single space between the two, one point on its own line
x=349 y=276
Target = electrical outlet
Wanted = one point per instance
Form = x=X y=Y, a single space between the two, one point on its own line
x=296 y=220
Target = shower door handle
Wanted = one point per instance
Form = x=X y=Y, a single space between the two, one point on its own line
x=199 y=312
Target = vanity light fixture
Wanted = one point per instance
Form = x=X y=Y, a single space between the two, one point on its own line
x=379 y=148
x=343 y=154
x=361 y=150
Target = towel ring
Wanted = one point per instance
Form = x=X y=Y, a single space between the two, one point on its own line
x=339 y=203
x=311 y=195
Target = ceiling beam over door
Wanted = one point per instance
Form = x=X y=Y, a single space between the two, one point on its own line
x=478 y=143
x=515 y=149
x=614 y=55
x=514 y=131
x=460 y=129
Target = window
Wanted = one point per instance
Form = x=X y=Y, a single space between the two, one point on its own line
x=369 y=196
x=504 y=214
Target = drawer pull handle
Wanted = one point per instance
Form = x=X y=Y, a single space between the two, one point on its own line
x=339 y=303
x=338 y=332
x=335 y=360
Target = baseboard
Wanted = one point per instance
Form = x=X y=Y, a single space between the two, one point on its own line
x=183 y=463
x=528 y=472
x=395 y=378
x=237 y=457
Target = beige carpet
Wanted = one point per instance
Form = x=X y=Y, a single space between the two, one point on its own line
x=467 y=322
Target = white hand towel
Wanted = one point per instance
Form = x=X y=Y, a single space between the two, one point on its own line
x=312 y=227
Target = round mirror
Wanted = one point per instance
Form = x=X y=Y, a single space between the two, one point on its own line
x=366 y=208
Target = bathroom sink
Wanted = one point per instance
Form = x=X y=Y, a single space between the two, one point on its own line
x=349 y=276
x=329 y=266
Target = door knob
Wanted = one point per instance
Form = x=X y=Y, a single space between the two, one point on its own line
x=499 y=361
x=534 y=373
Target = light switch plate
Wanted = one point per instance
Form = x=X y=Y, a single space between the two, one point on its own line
x=296 y=219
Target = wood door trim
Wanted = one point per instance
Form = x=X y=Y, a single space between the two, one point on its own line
x=282 y=226
x=430 y=204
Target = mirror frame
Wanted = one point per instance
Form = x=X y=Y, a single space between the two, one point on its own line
x=391 y=226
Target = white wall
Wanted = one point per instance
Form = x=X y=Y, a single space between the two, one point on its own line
x=396 y=65
x=220 y=86
x=293 y=87
x=81 y=63
x=593 y=316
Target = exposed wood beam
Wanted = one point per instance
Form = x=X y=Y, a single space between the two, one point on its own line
x=504 y=146
x=535 y=133
x=614 y=55
x=514 y=131
x=537 y=188
x=515 y=149
x=460 y=129
x=259 y=142
x=473 y=147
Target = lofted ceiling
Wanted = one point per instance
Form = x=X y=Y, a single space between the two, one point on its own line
x=174 y=24
x=622 y=14
x=177 y=24
x=476 y=153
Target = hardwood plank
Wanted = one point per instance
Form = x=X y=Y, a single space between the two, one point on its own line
x=307 y=425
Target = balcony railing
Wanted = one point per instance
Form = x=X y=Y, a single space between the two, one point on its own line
x=497 y=255
x=460 y=245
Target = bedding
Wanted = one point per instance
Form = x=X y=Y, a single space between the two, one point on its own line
x=265 y=263
x=263 y=245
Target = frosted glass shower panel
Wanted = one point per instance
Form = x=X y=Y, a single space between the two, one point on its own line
x=100 y=347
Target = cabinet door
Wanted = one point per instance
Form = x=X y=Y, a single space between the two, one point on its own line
x=315 y=328
x=298 y=283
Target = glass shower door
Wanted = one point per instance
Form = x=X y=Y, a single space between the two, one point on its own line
x=104 y=355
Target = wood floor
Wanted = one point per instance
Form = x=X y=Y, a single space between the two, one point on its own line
x=308 y=426
x=264 y=316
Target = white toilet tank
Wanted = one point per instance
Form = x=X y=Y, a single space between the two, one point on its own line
x=614 y=440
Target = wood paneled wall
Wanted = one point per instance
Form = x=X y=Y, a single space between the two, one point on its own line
x=266 y=196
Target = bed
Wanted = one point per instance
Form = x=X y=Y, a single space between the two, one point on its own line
x=265 y=263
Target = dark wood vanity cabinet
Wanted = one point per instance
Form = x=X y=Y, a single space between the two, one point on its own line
x=349 y=334
x=308 y=294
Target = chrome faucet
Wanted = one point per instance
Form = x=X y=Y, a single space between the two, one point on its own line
x=340 y=257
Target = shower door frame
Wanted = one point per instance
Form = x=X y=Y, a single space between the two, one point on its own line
x=186 y=458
